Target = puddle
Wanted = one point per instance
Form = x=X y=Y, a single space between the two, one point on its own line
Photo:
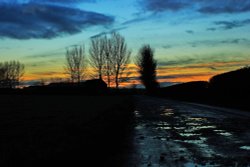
x=139 y=127
x=167 y=112
x=227 y=134
x=199 y=142
x=197 y=119
x=223 y=132
x=179 y=128
x=164 y=128
x=189 y=134
x=137 y=114
x=193 y=124
x=202 y=127
x=163 y=139
x=191 y=164
x=245 y=147
x=218 y=130
x=162 y=124
x=207 y=127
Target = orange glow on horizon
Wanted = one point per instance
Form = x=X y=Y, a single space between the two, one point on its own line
x=193 y=72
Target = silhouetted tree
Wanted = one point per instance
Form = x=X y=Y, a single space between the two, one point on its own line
x=10 y=74
x=147 y=68
x=120 y=56
x=109 y=57
x=75 y=63
x=97 y=55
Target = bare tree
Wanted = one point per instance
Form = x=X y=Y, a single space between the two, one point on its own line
x=120 y=56
x=11 y=73
x=108 y=60
x=75 y=63
x=97 y=55
x=109 y=56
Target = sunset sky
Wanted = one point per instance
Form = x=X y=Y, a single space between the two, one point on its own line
x=193 y=39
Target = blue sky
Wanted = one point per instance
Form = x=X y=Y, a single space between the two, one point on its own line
x=193 y=39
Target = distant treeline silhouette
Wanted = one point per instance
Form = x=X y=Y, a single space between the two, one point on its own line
x=230 y=89
x=108 y=60
x=89 y=87
x=10 y=74
x=232 y=83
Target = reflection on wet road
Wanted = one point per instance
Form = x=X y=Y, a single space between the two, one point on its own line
x=170 y=133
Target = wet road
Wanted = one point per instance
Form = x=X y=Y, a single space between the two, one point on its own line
x=175 y=134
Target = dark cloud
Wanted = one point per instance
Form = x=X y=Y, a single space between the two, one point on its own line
x=190 y=31
x=50 y=73
x=163 y=5
x=220 y=42
x=61 y=52
x=225 y=6
x=46 y=1
x=177 y=62
x=227 y=25
x=64 y=1
x=166 y=84
x=201 y=6
x=211 y=29
x=136 y=20
x=167 y=46
x=213 y=68
x=32 y=20
x=108 y=32
x=183 y=75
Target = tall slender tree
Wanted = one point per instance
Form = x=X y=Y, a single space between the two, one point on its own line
x=147 y=68
x=75 y=63
x=97 y=55
x=120 y=56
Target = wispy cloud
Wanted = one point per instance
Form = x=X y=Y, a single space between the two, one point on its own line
x=224 y=6
x=64 y=1
x=167 y=46
x=161 y=6
x=190 y=31
x=108 y=32
x=211 y=29
x=227 y=25
x=46 y=1
x=177 y=62
x=33 y=20
x=242 y=41
x=57 y=53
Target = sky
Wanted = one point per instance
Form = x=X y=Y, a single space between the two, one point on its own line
x=192 y=39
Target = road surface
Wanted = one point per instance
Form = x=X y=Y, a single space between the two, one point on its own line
x=177 y=134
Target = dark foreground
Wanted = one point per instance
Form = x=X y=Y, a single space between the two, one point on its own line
x=171 y=133
x=50 y=130
x=109 y=131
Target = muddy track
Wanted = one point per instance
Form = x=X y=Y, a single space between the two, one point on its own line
x=172 y=133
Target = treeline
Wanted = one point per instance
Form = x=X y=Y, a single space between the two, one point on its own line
x=230 y=89
x=10 y=74
x=108 y=58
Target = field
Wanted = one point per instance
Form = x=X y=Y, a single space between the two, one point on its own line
x=63 y=130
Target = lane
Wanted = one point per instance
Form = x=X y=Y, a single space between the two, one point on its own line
x=172 y=133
